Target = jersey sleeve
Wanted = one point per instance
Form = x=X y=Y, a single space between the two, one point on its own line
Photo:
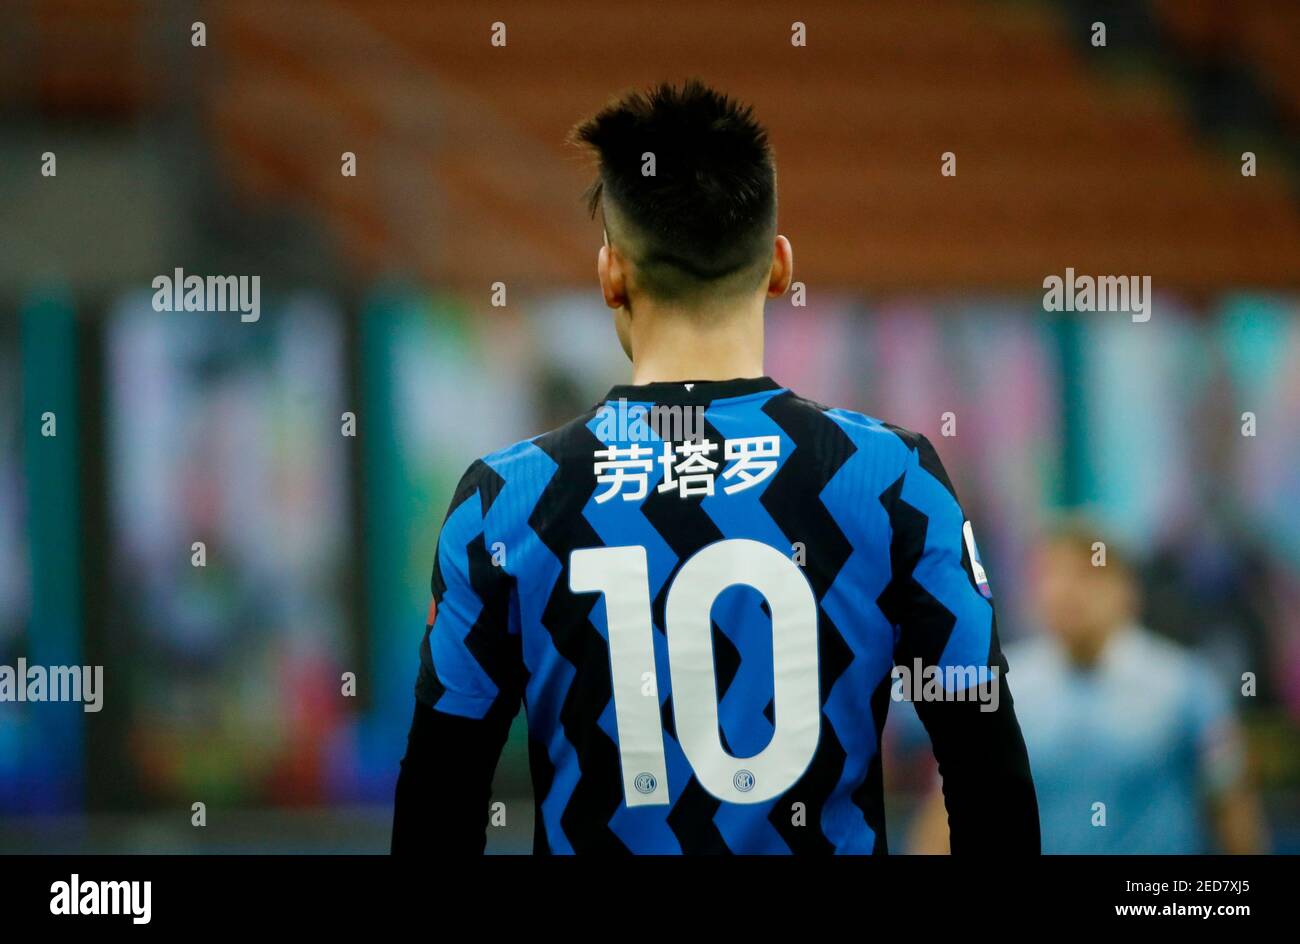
x=468 y=688
x=470 y=659
x=938 y=598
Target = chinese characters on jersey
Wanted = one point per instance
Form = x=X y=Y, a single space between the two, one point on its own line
x=690 y=468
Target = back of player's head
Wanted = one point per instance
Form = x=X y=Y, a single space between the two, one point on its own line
x=1074 y=533
x=687 y=186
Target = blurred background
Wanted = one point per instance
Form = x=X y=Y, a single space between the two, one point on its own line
x=924 y=296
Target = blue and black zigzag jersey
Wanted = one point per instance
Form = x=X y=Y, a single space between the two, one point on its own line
x=698 y=592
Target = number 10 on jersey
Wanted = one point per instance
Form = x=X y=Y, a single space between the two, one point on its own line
x=622 y=575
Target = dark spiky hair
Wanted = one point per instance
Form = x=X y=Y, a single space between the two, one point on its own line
x=703 y=222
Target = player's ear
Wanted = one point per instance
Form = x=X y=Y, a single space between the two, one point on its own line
x=778 y=279
x=613 y=277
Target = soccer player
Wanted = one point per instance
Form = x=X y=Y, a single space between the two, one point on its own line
x=1137 y=746
x=699 y=588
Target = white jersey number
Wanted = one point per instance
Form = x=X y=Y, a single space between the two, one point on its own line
x=621 y=574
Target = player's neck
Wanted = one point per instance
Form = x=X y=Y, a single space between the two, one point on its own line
x=1087 y=650
x=679 y=347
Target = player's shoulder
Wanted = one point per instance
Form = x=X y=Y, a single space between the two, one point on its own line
x=1177 y=664
x=532 y=458
x=887 y=443
x=1168 y=673
x=1036 y=660
x=505 y=486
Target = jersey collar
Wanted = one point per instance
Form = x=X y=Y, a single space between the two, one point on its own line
x=690 y=391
